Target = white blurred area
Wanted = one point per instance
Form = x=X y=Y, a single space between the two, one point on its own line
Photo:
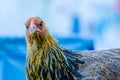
x=98 y=19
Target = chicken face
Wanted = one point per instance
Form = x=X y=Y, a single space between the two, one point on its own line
x=35 y=29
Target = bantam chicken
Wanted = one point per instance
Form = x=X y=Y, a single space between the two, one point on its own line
x=46 y=60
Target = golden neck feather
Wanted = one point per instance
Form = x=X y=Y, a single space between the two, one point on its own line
x=49 y=57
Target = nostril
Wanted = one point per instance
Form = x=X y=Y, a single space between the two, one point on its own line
x=34 y=27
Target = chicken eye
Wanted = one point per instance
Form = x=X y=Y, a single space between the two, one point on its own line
x=27 y=27
x=41 y=23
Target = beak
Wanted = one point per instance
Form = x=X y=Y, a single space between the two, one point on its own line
x=32 y=29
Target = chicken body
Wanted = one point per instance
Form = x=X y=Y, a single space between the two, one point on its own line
x=99 y=65
x=46 y=60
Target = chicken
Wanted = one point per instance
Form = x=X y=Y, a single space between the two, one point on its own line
x=46 y=60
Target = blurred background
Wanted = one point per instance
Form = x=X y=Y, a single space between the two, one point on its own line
x=76 y=24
